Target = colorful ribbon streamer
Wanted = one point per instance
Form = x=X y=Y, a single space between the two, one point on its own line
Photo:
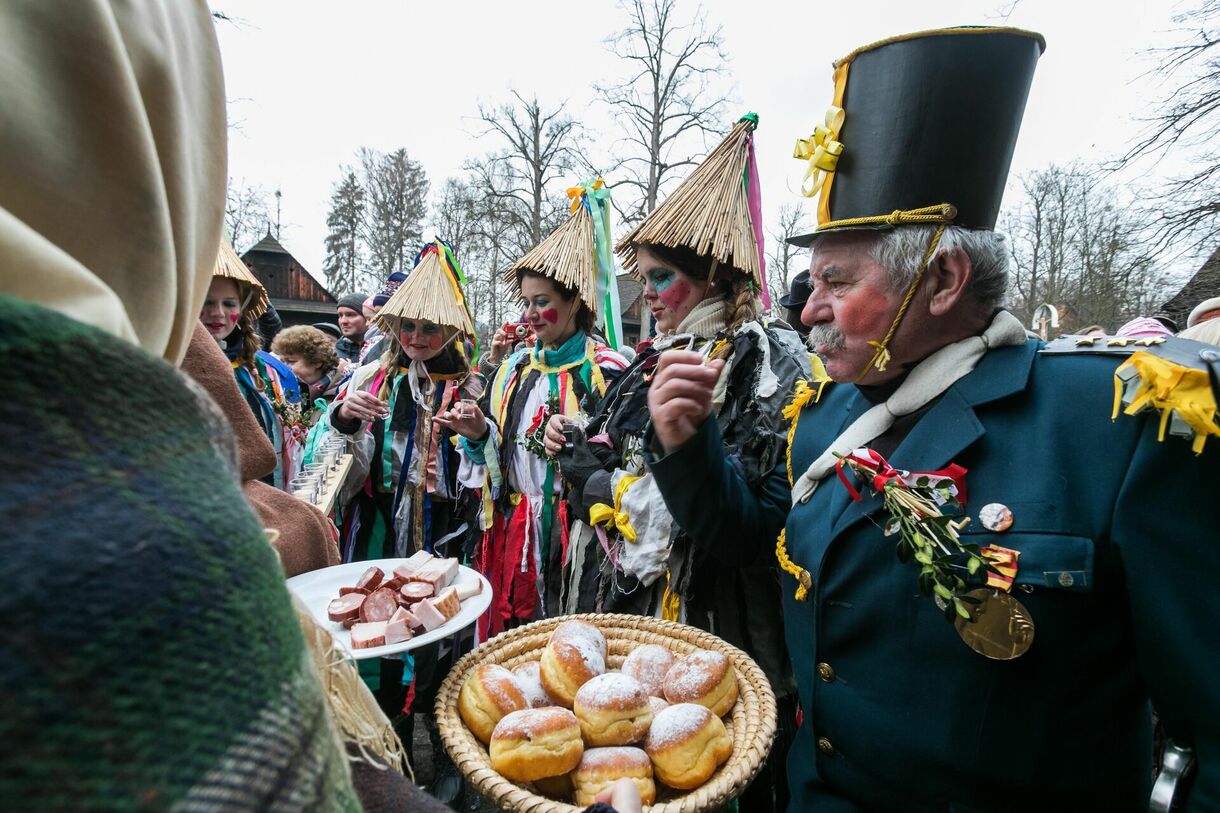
x=952 y=476
x=754 y=203
x=595 y=196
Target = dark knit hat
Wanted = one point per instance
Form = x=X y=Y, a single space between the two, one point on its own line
x=387 y=290
x=353 y=301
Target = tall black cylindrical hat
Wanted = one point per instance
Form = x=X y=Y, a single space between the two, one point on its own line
x=921 y=130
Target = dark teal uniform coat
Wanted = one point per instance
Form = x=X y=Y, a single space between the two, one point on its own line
x=1119 y=537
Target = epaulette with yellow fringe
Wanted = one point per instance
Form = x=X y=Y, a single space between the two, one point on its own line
x=1179 y=378
x=806 y=392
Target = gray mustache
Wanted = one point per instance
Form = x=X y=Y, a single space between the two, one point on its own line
x=827 y=335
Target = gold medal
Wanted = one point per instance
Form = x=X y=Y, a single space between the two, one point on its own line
x=1002 y=628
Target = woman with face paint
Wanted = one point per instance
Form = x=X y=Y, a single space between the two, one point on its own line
x=234 y=302
x=564 y=372
x=402 y=493
x=704 y=302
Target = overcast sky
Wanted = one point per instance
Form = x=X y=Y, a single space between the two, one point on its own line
x=309 y=82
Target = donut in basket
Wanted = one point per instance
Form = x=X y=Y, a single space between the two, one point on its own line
x=571 y=727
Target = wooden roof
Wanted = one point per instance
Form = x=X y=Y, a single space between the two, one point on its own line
x=1203 y=285
x=284 y=278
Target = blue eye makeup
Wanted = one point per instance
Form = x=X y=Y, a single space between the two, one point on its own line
x=661 y=279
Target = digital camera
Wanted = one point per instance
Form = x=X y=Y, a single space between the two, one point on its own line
x=518 y=331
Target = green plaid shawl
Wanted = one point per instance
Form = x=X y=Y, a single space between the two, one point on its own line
x=149 y=656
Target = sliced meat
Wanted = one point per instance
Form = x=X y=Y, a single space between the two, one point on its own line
x=413 y=563
x=428 y=616
x=368 y=635
x=343 y=591
x=398 y=628
x=378 y=605
x=415 y=591
x=471 y=588
x=447 y=603
x=371 y=579
x=345 y=607
x=351 y=622
x=394 y=583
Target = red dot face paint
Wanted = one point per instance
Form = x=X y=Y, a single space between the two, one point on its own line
x=233 y=318
x=674 y=295
x=550 y=315
x=434 y=341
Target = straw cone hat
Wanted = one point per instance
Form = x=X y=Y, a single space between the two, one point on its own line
x=708 y=212
x=230 y=266
x=567 y=255
x=430 y=292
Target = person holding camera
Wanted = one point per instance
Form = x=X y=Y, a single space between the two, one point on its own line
x=564 y=371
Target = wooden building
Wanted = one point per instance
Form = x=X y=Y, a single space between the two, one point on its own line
x=297 y=296
x=1203 y=285
x=637 y=321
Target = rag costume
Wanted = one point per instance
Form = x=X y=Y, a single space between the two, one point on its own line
x=526 y=523
x=633 y=556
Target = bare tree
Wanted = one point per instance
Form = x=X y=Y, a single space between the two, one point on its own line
x=672 y=99
x=455 y=215
x=791 y=223
x=484 y=237
x=1078 y=248
x=395 y=198
x=247 y=214
x=539 y=150
x=1187 y=125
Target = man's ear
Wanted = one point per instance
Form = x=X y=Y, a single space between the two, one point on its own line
x=948 y=281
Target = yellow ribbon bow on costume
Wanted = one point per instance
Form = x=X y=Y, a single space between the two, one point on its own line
x=615 y=517
x=822 y=150
x=576 y=193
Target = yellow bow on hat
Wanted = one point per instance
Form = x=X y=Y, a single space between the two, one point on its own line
x=822 y=150
x=575 y=193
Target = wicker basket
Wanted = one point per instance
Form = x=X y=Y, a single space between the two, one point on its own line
x=751 y=724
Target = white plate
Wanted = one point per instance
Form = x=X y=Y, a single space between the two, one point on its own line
x=319 y=587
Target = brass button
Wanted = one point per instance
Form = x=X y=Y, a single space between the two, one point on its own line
x=826 y=747
x=825 y=672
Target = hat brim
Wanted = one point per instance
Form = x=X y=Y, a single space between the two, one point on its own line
x=806 y=240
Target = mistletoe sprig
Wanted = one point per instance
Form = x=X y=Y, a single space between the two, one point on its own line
x=533 y=439
x=925 y=533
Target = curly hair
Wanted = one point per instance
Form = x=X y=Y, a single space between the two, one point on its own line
x=308 y=344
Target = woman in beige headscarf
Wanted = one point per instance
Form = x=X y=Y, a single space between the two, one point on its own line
x=150 y=656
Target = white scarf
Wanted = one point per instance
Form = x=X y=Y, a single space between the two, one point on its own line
x=703 y=322
x=930 y=378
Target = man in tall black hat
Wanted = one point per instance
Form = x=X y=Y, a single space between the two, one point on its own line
x=986 y=578
x=794 y=301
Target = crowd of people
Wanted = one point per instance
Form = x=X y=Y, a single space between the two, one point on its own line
x=1014 y=619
